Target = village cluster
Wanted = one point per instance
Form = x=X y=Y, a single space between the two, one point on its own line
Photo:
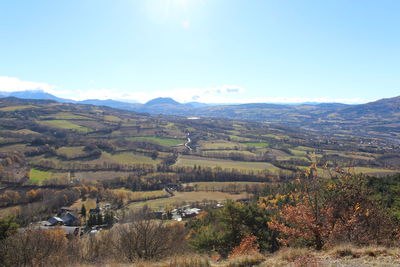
x=73 y=222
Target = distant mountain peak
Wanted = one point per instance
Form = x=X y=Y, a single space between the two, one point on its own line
x=162 y=101
x=33 y=94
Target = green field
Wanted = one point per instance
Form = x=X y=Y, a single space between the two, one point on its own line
x=219 y=144
x=38 y=176
x=112 y=118
x=225 y=164
x=159 y=140
x=227 y=152
x=238 y=138
x=64 y=124
x=298 y=152
x=276 y=136
x=256 y=144
x=185 y=197
x=223 y=186
x=125 y=158
x=128 y=158
x=66 y=116
x=71 y=151
x=13 y=108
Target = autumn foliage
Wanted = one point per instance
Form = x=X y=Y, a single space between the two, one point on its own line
x=248 y=245
x=328 y=212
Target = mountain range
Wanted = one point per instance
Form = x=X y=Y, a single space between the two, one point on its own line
x=380 y=117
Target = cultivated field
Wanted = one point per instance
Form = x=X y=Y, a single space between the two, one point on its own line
x=226 y=164
x=37 y=176
x=186 y=197
x=64 y=124
x=158 y=140
x=224 y=186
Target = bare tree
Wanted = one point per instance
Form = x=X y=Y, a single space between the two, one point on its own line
x=35 y=247
x=146 y=238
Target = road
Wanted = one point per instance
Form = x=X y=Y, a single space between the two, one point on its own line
x=188 y=142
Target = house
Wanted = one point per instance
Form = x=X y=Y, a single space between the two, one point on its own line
x=191 y=212
x=55 y=221
x=70 y=220
x=184 y=213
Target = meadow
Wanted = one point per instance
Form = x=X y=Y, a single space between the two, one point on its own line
x=37 y=176
x=181 y=198
x=191 y=161
x=159 y=140
x=65 y=124
x=72 y=152
x=14 y=108
x=223 y=186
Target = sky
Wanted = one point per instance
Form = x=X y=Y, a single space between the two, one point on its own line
x=212 y=51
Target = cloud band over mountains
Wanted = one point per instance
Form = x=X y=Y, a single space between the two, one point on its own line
x=218 y=94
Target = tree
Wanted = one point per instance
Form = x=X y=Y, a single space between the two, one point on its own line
x=99 y=219
x=83 y=211
x=34 y=248
x=92 y=220
x=146 y=238
x=333 y=211
x=223 y=229
x=109 y=218
x=7 y=227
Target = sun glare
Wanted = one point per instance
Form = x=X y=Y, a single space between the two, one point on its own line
x=171 y=10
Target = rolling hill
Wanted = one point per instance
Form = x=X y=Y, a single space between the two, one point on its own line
x=95 y=142
x=375 y=119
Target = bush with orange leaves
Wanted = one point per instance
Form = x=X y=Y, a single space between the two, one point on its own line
x=327 y=212
x=248 y=245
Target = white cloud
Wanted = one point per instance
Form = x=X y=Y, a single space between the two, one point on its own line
x=183 y=95
x=12 y=84
x=293 y=100
x=217 y=94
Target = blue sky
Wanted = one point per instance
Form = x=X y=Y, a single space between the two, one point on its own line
x=203 y=50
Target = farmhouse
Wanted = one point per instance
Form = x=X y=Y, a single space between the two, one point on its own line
x=70 y=220
x=55 y=221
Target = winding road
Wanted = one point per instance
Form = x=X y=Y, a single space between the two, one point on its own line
x=188 y=142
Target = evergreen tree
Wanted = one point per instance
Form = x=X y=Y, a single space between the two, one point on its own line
x=83 y=210
x=109 y=218
x=92 y=220
x=99 y=219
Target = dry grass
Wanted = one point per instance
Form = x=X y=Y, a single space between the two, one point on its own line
x=344 y=255
x=245 y=260
x=356 y=252
x=178 y=261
